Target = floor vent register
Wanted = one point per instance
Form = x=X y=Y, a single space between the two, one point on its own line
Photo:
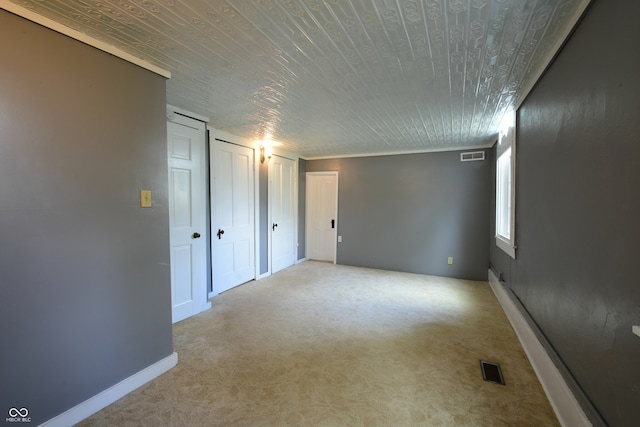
x=491 y=372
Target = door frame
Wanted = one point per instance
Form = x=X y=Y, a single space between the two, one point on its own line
x=215 y=134
x=306 y=219
x=179 y=116
x=294 y=159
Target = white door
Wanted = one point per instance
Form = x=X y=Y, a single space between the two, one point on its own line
x=187 y=216
x=232 y=215
x=322 y=215
x=282 y=212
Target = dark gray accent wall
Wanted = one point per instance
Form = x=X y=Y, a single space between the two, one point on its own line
x=302 y=206
x=411 y=212
x=263 y=197
x=84 y=271
x=577 y=208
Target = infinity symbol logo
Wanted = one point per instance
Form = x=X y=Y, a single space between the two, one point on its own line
x=22 y=412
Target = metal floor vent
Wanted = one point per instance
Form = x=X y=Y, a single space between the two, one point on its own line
x=491 y=372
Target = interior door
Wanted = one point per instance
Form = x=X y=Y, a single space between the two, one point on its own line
x=187 y=216
x=232 y=215
x=282 y=212
x=322 y=215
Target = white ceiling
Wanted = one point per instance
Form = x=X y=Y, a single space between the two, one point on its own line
x=337 y=77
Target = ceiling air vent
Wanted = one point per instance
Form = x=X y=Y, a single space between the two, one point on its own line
x=472 y=156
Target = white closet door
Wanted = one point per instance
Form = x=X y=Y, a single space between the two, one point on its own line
x=282 y=207
x=232 y=215
x=322 y=215
x=187 y=216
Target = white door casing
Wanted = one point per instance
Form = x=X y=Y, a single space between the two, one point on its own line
x=322 y=216
x=187 y=216
x=232 y=215
x=282 y=212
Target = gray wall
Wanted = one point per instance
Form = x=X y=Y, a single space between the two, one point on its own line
x=263 y=197
x=577 y=207
x=84 y=271
x=302 y=207
x=410 y=212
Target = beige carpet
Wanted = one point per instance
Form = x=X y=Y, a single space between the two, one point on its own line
x=325 y=345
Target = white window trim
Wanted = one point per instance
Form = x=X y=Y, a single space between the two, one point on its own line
x=506 y=141
x=506 y=246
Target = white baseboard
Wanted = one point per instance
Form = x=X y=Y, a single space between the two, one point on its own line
x=301 y=260
x=563 y=401
x=110 y=395
x=206 y=306
x=263 y=275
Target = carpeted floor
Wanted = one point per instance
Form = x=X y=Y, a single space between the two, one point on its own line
x=327 y=345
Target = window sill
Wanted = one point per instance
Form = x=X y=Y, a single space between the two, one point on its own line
x=506 y=246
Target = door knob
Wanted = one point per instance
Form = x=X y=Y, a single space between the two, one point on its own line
x=196 y=235
x=273 y=227
x=220 y=233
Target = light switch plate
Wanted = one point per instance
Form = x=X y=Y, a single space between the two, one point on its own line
x=145 y=198
x=636 y=330
x=450 y=260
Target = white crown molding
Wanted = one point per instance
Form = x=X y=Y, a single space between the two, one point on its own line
x=69 y=32
x=399 y=153
x=173 y=109
x=249 y=142
x=554 y=51
x=234 y=139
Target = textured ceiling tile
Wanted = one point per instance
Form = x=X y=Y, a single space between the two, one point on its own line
x=337 y=77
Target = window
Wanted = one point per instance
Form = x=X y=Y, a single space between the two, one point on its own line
x=505 y=185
